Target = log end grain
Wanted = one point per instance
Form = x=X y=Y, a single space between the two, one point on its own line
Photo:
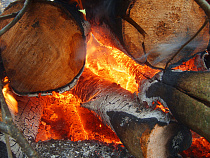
x=45 y=50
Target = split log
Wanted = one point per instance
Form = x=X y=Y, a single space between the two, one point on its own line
x=144 y=130
x=187 y=94
x=46 y=49
x=149 y=30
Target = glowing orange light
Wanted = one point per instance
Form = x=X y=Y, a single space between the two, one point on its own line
x=200 y=147
x=64 y=118
x=161 y=107
x=9 y=98
x=115 y=66
x=78 y=123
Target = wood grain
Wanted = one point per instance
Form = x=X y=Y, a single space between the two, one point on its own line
x=45 y=50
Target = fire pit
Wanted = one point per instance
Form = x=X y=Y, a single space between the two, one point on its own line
x=112 y=105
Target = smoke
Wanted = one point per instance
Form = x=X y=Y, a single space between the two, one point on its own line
x=164 y=51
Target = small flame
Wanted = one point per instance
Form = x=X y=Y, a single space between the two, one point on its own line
x=160 y=106
x=9 y=98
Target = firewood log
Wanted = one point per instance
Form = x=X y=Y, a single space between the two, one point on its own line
x=144 y=130
x=187 y=96
x=27 y=119
x=46 y=49
x=149 y=30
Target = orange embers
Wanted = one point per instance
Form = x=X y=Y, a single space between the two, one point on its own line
x=113 y=65
x=194 y=64
x=159 y=105
x=64 y=118
x=200 y=148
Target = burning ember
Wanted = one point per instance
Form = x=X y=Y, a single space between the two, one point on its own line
x=111 y=97
x=200 y=147
x=64 y=118
x=63 y=111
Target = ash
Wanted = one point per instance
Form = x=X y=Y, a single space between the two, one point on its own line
x=83 y=149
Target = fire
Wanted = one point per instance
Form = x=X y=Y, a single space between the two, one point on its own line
x=161 y=107
x=113 y=65
x=194 y=64
x=200 y=147
x=64 y=118
x=9 y=98
x=79 y=123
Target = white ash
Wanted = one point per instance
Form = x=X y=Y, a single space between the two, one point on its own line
x=143 y=88
x=87 y=27
x=122 y=101
x=71 y=149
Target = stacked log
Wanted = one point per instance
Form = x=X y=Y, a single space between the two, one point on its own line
x=150 y=32
x=144 y=130
x=187 y=96
x=46 y=49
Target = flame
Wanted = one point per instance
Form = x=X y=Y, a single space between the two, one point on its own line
x=79 y=123
x=112 y=64
x=160 y=106
x=9 y=98
x=194 y=64
x=64 y=118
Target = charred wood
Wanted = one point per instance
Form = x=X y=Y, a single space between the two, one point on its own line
x=187 y=96
x=137 y=125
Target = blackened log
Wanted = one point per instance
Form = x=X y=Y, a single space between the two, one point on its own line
x=137 y=125
x=187 y=96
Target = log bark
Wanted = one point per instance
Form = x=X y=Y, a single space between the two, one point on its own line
x=140 y=127
x=187 y=96
x=150 y=30
x=46 y=49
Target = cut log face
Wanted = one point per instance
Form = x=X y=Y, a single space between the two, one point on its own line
x=168 y=25
x=45 y=50
x=148 y=137
x=152 y=30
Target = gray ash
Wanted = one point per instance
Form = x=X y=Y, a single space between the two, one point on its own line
x=83 y=149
